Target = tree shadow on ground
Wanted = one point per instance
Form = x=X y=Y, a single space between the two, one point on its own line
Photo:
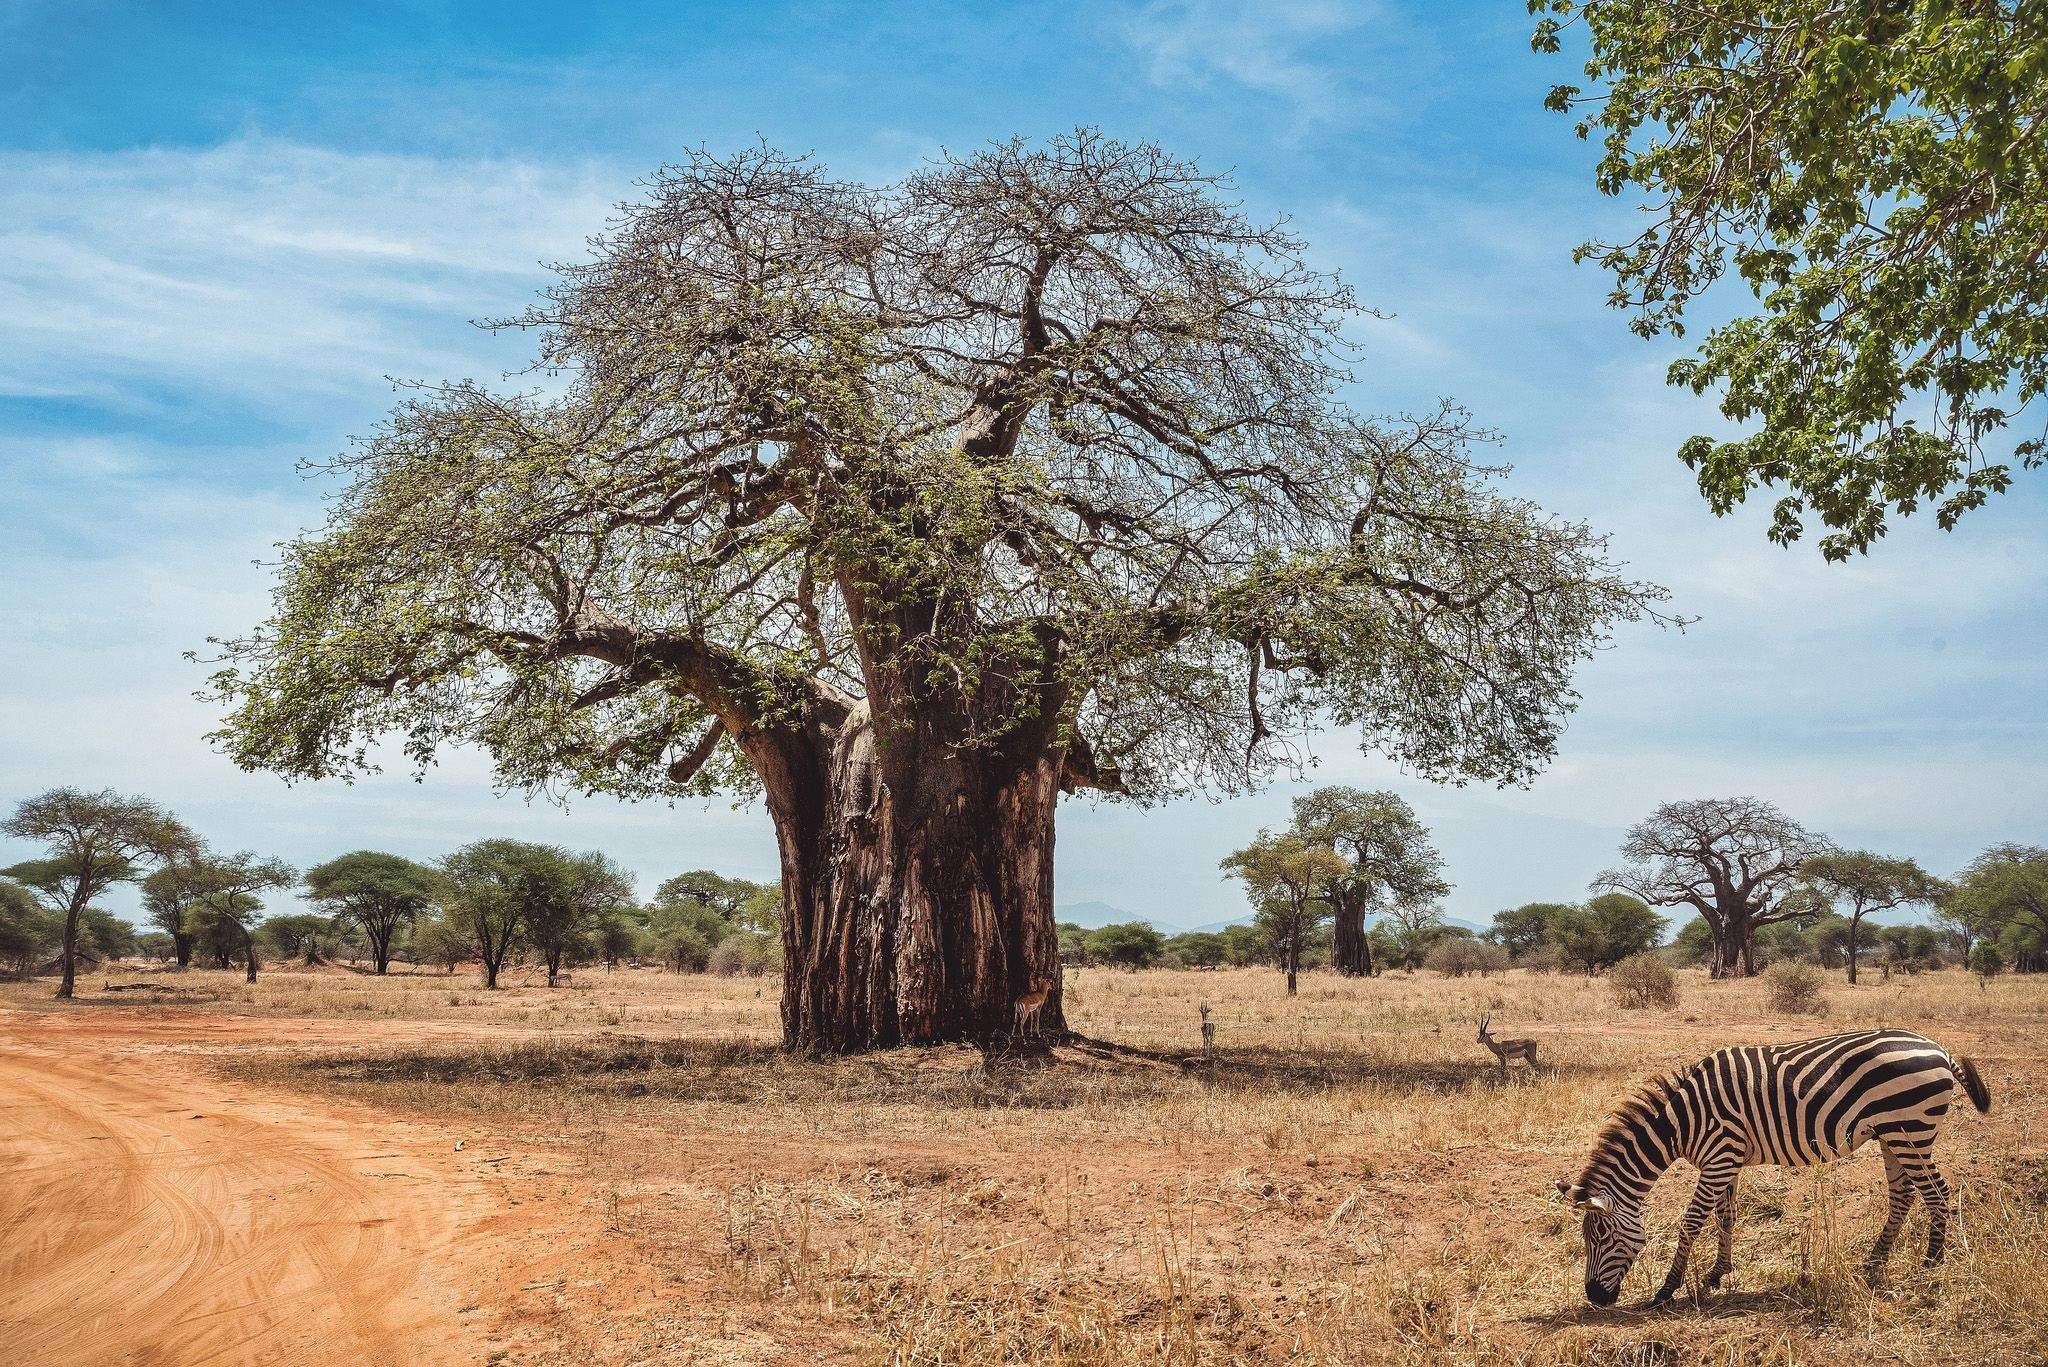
x=1074 y=1073
x=1307 y=1071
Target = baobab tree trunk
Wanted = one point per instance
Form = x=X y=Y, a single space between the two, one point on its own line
x=917 y=889
x=1733 y=949
x=1351 y=947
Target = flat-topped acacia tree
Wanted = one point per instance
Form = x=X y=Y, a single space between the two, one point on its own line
x=911 y=507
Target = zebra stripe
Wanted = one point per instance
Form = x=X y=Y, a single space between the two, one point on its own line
x=1791 y=1105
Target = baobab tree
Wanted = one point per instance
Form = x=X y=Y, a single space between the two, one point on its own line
x=1731 y=859
x=912 y=508
x=1857 y=883
x=94 y=841
x=1290 y=883
x=1392 y=862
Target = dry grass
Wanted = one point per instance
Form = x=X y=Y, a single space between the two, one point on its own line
x=1349 y=1182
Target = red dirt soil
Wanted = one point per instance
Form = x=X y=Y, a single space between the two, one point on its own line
x=150 y=1214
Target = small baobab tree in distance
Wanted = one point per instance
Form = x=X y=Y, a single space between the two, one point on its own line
x=911 y=508
x=1734 y=860
x=1392 y=863
x=94 y=841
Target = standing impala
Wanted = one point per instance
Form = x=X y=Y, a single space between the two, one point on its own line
x=1506 y=1049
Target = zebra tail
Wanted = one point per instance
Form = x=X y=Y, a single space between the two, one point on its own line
x=1980 y=1095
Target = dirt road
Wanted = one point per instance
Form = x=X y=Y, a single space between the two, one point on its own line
x=150 y=1215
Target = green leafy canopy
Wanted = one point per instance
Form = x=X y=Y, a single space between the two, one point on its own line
x=1038 y=452
x=1876 y=175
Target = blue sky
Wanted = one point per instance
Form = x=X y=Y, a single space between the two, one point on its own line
x=222 y=227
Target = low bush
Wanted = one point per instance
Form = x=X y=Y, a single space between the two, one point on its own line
x=1455 y=958
x=1642 y=981
x=1794 y=989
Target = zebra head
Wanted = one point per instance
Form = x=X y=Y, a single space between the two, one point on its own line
x=1614 y=1236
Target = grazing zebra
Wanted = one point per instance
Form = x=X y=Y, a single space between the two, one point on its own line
x=1795 y=1105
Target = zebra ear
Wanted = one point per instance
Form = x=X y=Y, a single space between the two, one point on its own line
x=1598 y=1203
x=1564 y=1189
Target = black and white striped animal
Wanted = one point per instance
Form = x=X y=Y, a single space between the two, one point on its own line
x=1790 y=1104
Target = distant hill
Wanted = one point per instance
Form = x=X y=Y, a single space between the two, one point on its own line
x=1095 y=915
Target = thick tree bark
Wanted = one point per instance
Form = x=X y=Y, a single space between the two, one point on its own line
x=917 y=887
x=1351 y=948
x=1855 y=925
x=181 y=946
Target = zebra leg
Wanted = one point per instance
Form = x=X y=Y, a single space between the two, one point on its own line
x=1899 y=1191
x=1934 y=1195
x=1724 y=1254
x=1705 y=1198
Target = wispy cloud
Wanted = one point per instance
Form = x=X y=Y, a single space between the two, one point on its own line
x=268 y=271
x=1272 y=47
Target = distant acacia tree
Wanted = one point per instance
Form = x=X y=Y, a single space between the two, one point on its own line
x=168 y=897
x=1412 y=928
x=569 y=899
x=1603 y=932
x=1129 y=944
x=228 y=894
x=94 y=841
x=2002 y=897
x=501 y=888
x=1393 y=863
x=1291 y=886
x=299 y=935
x=1876 y=176
x=439 y=939
x=1863 y=883
x=1523 y=930
x=378 y=893
x=1733 y=860
x=1199 y=948
x=911 y=508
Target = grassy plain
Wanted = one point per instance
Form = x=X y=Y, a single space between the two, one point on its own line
x=1348 y=1180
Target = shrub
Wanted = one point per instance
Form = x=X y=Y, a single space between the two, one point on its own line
x=1985 y=960
x=732 y=956
x=1794 y=989
x=1130 y=944
x=1454 y=958
x=1642 y=981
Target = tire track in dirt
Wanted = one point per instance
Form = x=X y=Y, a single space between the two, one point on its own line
x=151 y=1214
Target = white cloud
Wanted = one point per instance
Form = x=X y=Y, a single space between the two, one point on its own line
x=1270 y=47
x=270 y=271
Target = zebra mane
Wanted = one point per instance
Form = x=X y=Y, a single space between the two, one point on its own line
x=1643 y=1100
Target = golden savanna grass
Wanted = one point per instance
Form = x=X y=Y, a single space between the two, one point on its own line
x=1348 y=1180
